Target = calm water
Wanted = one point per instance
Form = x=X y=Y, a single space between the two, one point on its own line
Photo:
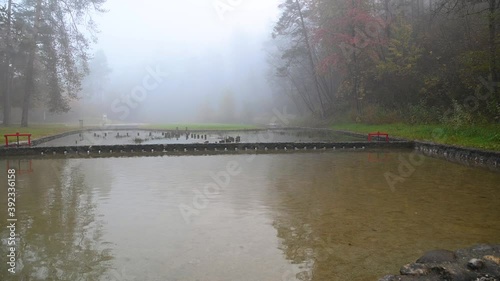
x=156 y=137
x=304 y=216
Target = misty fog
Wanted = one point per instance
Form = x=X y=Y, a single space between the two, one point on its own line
x=238 y=61
x=205 y=54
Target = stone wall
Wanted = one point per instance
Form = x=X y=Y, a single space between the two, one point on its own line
x=466 y=156
x=201 y=148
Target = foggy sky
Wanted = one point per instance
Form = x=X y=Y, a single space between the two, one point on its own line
x=205 y=54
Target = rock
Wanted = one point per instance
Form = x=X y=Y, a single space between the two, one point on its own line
x=493 y=259
x=454 y=272
x=478 y=263
x=388 y=278
x=393 y=278
x=487 y=278
x=438 y=256
x=409 y=278
x=482 y=247
x=414 y=269
x=475 y=264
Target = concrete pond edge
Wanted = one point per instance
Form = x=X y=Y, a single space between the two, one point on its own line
x=199 y=148
x=463 y=155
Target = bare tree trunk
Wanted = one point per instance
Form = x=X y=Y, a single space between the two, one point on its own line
x=311 y=60
x=355 y=75
x=7 y=78
x=491 y=40
x=305 y=98
x=30 y=69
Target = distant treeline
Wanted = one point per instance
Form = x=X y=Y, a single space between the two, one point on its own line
x=419 y=61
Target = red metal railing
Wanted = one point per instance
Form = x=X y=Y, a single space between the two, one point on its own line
x=17 y=135
x=378 y=134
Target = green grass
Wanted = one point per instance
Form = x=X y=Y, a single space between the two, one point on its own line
x=478 y=136
x=483 y=137
x=37 y=131
x=201 y=126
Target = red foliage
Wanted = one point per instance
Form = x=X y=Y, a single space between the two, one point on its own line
x=355 y=32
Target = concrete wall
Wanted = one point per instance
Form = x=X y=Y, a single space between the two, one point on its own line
x=466 y=156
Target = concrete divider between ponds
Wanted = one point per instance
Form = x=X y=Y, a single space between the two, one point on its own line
x=195 y=148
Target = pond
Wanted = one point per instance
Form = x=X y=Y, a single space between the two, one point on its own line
x=123 y=137
x=298 y=216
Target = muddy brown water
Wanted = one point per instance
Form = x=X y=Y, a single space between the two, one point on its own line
x=299 y=216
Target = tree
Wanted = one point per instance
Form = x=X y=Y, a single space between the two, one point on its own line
x=94 y=83
x=293 y=24
x=227 y=107
x=395 y=56
x=466 y=8
x=6 y=50
x=352 y=36
x=205 y=111
x=56 y=45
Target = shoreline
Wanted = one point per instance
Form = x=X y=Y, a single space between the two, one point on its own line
x=484 y=137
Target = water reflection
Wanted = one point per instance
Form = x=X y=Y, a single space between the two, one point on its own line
x=338 y=219
x=22 y=166
x=380 y=156
x=61 y=233
x=300 y=216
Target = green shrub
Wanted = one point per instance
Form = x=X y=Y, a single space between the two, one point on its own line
x=422 y=114
x=459 y=116
x=375 y=114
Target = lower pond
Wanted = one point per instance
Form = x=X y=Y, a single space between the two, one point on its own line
x=299 y=216
x=123 y=137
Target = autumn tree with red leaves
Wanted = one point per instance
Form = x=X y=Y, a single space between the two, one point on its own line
x=411 y=60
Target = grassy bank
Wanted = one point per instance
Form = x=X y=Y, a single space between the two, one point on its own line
x=201 y=126
x=483 y=137
x=37 y=131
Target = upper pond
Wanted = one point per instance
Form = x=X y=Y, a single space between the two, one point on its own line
x=121 y=137
x=299 y=216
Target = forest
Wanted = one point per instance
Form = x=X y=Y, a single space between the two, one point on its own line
x=44 y=53
x=339 y=61
x=385 y=61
